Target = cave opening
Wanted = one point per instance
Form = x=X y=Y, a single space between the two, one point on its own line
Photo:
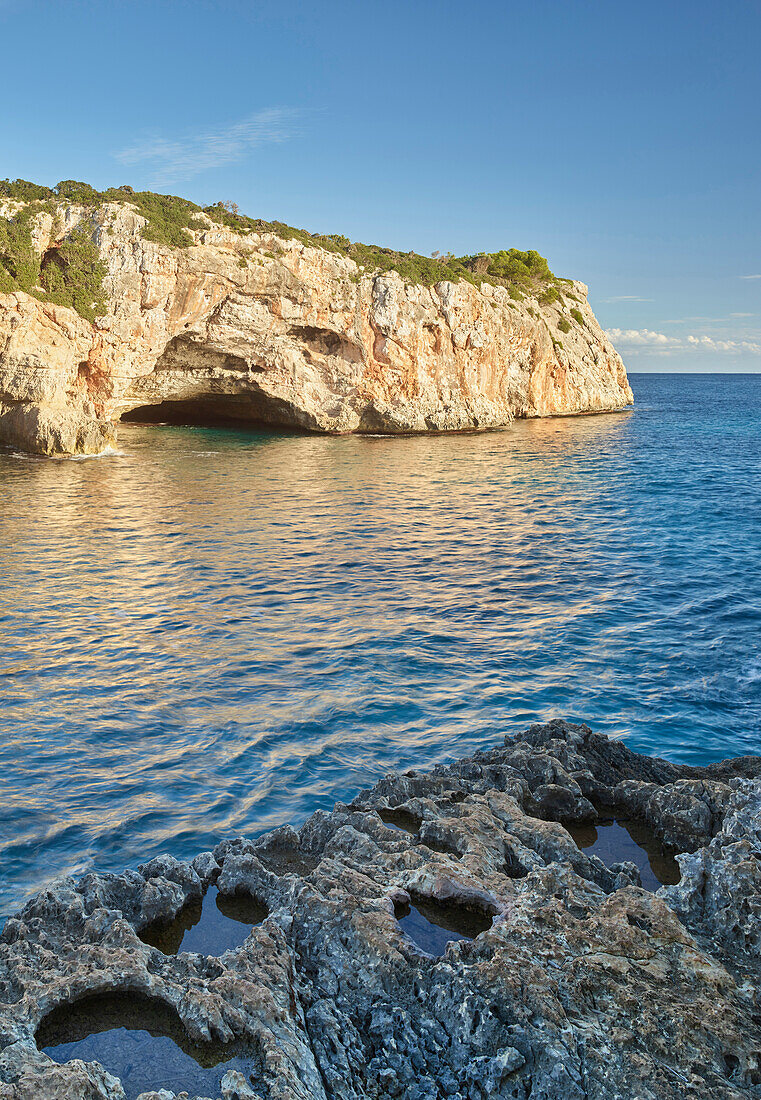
x=256 y=411
x=228 y=393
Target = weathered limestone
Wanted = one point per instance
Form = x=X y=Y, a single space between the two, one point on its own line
x=586 y=987
x=255 y=328
x=45 y=403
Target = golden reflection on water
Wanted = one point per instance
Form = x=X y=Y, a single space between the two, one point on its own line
x=211 y=632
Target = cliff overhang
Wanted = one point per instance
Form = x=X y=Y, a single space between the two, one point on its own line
x=255 y=325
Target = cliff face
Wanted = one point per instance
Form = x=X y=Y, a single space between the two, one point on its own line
x=256 y=328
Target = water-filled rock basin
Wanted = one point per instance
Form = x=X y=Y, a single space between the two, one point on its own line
x=142 y=1042
x=617 y=841
x=432 y=925
x=211 y=926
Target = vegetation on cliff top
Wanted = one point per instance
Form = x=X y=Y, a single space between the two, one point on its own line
x=73 y=275
x=69 y=274
x=520 y=271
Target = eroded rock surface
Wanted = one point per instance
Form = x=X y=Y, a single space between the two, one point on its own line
x=258 y=329
x=585 y=987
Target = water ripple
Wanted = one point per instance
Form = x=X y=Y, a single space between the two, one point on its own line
x=207 y=632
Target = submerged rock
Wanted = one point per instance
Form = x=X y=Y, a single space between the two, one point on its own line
x=563 y=978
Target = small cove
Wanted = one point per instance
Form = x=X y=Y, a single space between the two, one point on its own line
x=216 y=632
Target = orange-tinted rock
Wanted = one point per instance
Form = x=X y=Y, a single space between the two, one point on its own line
x=255 y=328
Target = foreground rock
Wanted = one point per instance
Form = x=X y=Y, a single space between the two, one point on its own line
x=255 y=328
x=585 y=985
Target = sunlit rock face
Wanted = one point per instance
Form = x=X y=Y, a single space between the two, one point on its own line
x=441 y=936
x=256 y=329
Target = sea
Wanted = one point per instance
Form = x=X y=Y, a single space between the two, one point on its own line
x=210 y=632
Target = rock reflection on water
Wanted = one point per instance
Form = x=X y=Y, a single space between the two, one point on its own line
x=211 y=926
x=616 y=841
x=401 y=820
x=142 y=1042
x=214 y=632
x=431 y=925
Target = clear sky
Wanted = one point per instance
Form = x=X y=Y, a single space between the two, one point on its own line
x=621 y=140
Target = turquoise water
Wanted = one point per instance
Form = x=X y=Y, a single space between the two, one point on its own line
x=213 y=631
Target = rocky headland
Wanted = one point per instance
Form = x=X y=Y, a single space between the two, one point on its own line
x=115 y=304
x=569 y=982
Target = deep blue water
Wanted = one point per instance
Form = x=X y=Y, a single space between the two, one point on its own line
x=215 y=631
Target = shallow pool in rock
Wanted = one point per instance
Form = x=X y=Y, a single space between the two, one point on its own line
x=616 y=841
x=142 y=1042
x=211 y=926
x=401 y=820
x=431 y=925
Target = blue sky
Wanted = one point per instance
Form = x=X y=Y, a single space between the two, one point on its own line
x=620 y=140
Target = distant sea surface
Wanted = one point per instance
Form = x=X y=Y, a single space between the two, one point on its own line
x=212 y=632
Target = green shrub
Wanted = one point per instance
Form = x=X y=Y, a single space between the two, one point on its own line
x=550 y=295
x=564 y=324
x=75 y=191
x=169 y=219
x=519 y=267
x=24 y=191
x=19 y=263
x=577 y=316
x=73 y=274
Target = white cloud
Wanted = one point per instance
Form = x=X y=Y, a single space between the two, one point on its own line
x=742 y=315
x=635 y=341
x=641 y=338
x=750 y=276
x=628 y=298
x=173 y=161
x=707 y=343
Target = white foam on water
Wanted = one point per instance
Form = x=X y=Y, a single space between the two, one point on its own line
x=751 y=673
x=107 y=452
x=30 y=456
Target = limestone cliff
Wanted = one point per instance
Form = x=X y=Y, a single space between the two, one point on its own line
x=252 y=327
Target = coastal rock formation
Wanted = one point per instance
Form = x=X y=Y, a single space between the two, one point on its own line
x=580 y=985
x=256 y=328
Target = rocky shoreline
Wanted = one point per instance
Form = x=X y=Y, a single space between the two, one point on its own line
x=568 y=981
